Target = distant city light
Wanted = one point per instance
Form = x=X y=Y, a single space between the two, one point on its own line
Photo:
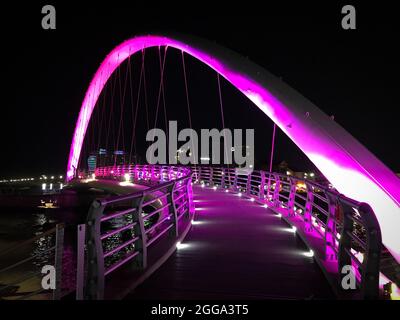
x=44 y=186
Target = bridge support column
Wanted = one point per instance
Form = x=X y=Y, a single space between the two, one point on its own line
x=371 y=264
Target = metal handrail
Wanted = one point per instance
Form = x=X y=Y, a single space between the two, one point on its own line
x=336 y=225
x=135 y=237
x=280 y=193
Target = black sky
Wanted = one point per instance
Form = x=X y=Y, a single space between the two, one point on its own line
x=351 y=74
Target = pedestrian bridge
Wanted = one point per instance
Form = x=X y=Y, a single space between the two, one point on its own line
x=222 y=234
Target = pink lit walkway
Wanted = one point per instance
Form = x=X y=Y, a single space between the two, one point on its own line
x=236 y=249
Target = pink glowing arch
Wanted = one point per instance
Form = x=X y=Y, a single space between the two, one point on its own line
x=348 y=165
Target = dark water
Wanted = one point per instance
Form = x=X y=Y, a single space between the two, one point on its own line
x=16 y=230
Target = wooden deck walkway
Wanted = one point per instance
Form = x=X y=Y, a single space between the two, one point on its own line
x=236 y=250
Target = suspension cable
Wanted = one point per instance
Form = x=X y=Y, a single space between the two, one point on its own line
x=132 y=111
x=188 y=104
x=113 y=84
x=102 y=110
x=162 y=66
x=223 y=123
x=145 y=90
x=122 y=97
x=137 y=107
x=163 y=92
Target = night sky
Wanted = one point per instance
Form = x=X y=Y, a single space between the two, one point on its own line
x=353 y=75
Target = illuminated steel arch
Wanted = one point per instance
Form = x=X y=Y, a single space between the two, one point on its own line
x=347 y=164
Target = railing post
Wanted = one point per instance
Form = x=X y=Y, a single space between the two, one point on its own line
x=139 y=231
x=172 y=209
x=95 y=279
x=190 y=197
x=344 y=258
x=276 y=191
x=248 y=185
x=223 y=178
x=58 y=255
x=235 y=187
x=330 y=231
x=199 y=177
x=292 y=197
x=261 y=190
x=210 y=178
x=308 y=209
x=371 y=262
x=80 y=261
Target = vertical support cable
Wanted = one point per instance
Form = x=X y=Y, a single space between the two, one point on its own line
x=188 y=105
x=271 y=158
x=223 y=122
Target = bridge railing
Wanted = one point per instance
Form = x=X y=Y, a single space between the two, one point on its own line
x=143 y=173
x=340 y=231
x=123 y=229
